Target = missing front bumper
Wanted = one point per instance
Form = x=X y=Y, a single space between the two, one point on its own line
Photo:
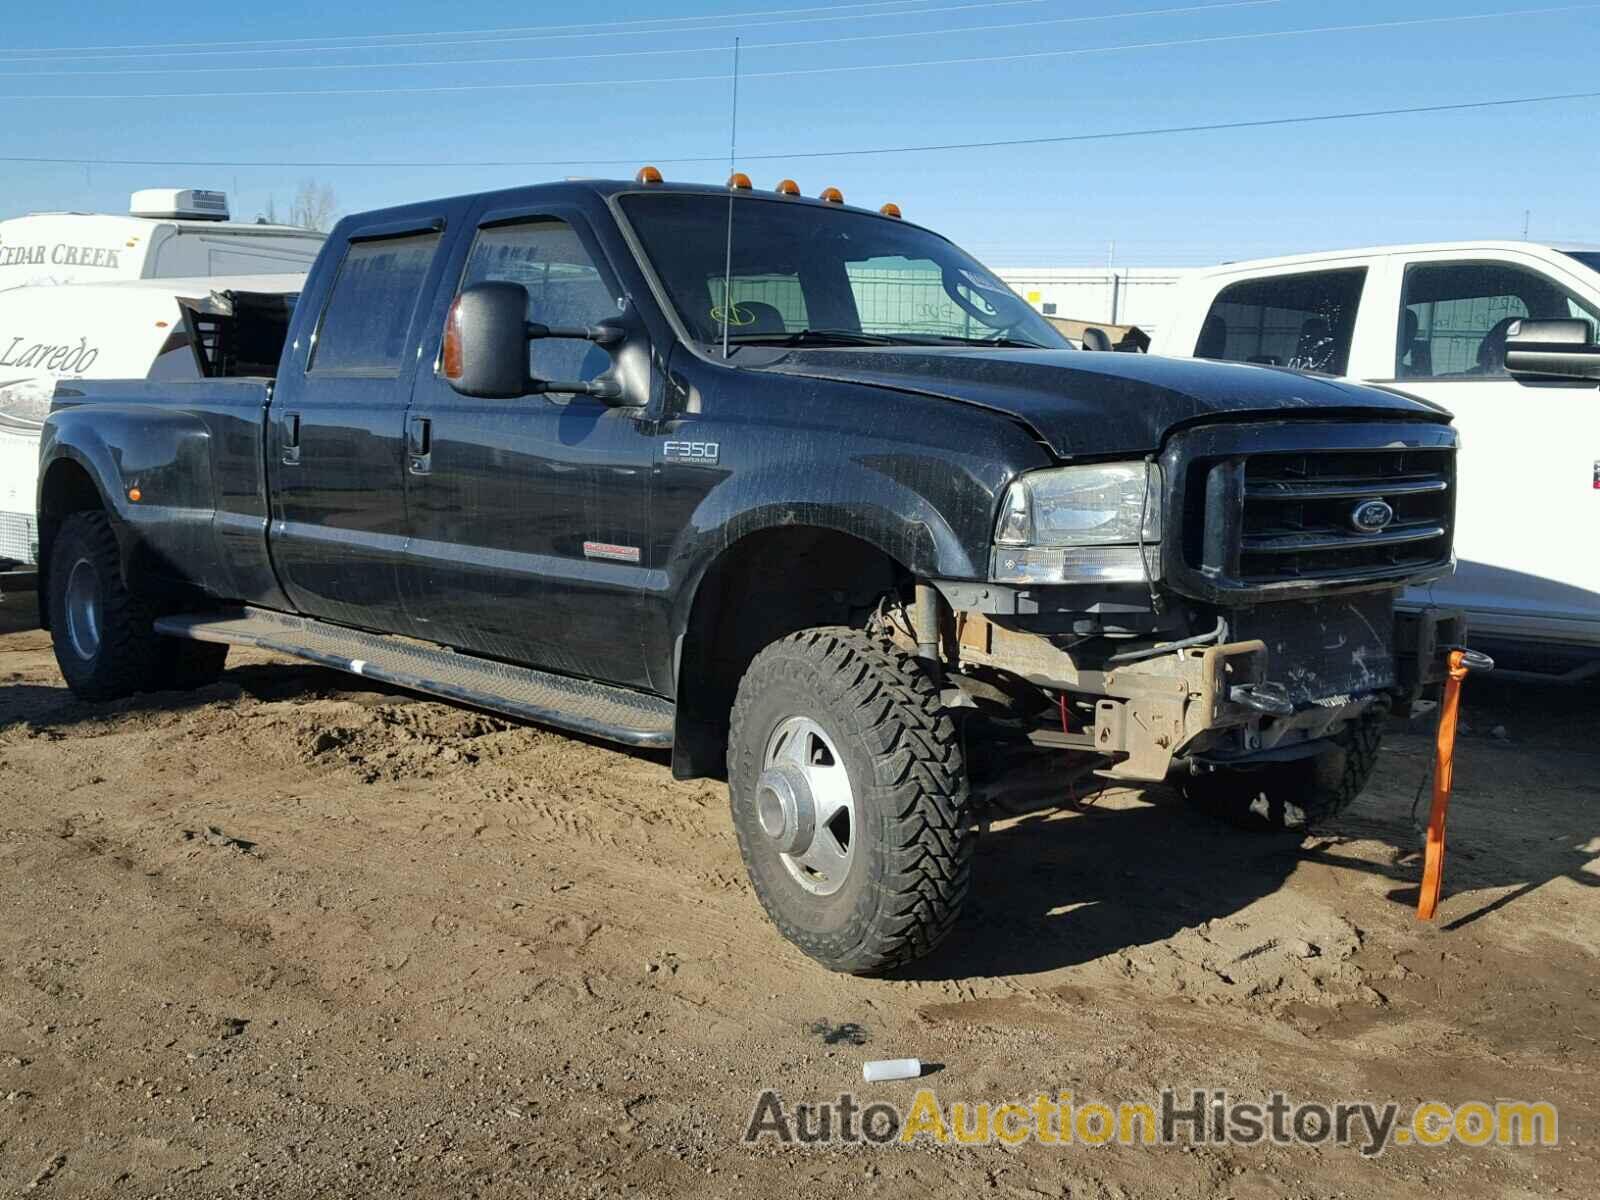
x=1325 y=666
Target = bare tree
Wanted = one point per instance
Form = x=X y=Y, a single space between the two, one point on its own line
x=269 y=215
x=313 y=207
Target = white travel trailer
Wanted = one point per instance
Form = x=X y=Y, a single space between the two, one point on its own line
x=137 y=329
x=167 y=234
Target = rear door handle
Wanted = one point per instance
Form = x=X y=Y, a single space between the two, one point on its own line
x=291 y=439
x=419 y=445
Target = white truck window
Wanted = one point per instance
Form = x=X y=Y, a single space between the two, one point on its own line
x=1301 y=321
x=1454 y=316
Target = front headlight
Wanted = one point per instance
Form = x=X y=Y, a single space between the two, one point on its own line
x=1080 y=525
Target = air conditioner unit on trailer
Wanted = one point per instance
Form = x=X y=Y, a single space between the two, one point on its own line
x=191 y=204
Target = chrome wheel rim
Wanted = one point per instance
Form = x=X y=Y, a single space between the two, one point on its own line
x=806 y=807
x=83 y=609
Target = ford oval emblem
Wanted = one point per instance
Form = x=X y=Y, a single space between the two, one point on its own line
x=1372 y=516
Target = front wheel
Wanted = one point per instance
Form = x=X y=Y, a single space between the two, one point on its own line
x=1294 y=795
x=849 y=797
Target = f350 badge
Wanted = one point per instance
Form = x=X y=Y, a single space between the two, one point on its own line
x=692 y=452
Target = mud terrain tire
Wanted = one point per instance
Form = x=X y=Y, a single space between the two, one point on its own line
x=910 y=833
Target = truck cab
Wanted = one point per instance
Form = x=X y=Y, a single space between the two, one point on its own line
x=1448 y=323
x=798 y=492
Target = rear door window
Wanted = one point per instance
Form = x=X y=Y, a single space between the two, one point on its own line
x=369 y=311
x=1302 y=321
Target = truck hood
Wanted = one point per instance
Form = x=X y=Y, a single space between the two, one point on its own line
x=1082 y=403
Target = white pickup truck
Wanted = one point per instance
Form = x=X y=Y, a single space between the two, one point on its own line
x=1503 y=335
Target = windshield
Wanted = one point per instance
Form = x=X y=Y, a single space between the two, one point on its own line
x=804 y=275
x=1589 y=258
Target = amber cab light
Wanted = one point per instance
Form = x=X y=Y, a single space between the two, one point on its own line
x=739 y=181
x=647 y=175
x=832 y=195
x=450 y=357
x=787 y=187
x=891 y=209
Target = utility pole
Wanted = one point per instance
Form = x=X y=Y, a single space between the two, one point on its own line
x=1111 y=269
x=1527 y=217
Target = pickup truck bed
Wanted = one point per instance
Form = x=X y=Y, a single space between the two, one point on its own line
x=197 y=453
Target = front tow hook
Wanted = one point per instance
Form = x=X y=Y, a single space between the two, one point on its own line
x=1269 y=698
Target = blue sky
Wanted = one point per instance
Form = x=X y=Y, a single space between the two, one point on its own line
x=1167 y=200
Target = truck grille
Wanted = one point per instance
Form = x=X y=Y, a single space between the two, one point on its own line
x=1259 y=512
x=1299 y=513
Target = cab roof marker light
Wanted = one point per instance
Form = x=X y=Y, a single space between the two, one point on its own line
x=647 y=175
x=831 y=195
x=787 y=187
x=891 y=209
x=739 y=182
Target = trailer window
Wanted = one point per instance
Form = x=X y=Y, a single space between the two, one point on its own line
x=369 y=313
x=1300 y=321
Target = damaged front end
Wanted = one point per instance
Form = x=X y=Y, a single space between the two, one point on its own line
x=1309 y=670
x=1243 y=610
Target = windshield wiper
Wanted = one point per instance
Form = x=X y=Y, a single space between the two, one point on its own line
x=1007 y=342
x=814 y=337
x=854 y=337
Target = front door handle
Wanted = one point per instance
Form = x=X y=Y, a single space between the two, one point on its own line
x=291 y=439
x=419 y=445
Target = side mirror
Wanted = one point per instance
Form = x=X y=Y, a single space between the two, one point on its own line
x=1096 y=339
x=485 y=351
x=1553 y=349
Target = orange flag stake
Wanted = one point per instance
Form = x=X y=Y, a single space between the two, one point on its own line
x=1449 y=712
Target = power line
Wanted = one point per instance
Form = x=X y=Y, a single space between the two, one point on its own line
x=1063 y=139
x=541 y=85
x=512 y=36
x=833 y=41
x=352 y=37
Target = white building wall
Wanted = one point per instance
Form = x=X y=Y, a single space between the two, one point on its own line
x=1116 y=295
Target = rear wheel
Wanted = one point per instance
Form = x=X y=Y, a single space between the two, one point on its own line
x=103 y=634
x=849 y=798
x=1295 y=795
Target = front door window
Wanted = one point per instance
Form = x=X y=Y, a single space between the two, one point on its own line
x=1454 y=316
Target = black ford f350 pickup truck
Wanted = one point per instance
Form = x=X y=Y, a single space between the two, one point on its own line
x=813 y=503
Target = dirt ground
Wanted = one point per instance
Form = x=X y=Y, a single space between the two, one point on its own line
x=295 y=935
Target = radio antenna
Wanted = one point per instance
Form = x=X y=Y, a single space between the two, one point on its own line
x=733 y=152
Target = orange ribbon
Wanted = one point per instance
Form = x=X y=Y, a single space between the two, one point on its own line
x=1433 y=862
